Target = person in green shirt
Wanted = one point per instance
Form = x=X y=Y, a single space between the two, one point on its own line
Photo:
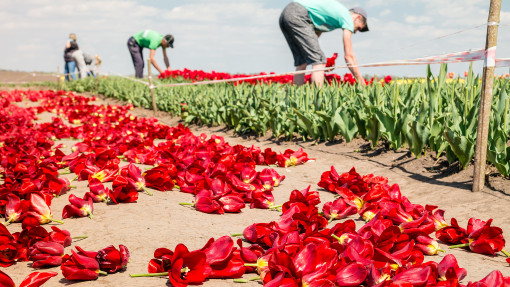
x=152 y=40
x=303 y=21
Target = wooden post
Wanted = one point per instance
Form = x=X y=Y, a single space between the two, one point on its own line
x=58 y=78
x=151 y=87
x=97 y=81
x=486 y=97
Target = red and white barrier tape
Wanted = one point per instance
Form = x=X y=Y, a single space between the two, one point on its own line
x=501 y=63
x=464 y=56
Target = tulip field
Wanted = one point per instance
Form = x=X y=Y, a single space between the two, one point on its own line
x=435 y=114
x=96 y=193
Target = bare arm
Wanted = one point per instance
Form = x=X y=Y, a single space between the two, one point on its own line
x=153 y=61
x=68 y=44
x=350 y=59
x=165 y=58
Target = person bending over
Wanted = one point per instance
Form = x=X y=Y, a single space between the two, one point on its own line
x=83 y=60
x=152 y=40
x=303 y=21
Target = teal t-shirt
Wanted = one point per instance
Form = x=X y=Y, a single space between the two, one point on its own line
x=148 y=39
x=328 y=15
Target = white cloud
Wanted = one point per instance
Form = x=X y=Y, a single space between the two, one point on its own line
x=235 y=35
x=385 y=12
x=412 y=19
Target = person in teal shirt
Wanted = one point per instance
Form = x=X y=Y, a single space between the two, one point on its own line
x=303 y=21
x=152 y=40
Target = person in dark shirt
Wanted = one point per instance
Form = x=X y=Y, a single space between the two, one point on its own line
x=70 y=65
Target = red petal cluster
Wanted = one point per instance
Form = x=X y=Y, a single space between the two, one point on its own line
x=199 y=75
x=300 y=250
x=331 y=61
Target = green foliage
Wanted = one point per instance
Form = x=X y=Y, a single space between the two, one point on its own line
x=432 y=114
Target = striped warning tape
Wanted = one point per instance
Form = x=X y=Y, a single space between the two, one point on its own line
x=501 y=63
x=464 y=56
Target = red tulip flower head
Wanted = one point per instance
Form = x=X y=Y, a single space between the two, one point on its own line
x=112 y=260
x=60 y=236
x=13 y=209
x=40 y=209
x=46 y=254
x=78 y=207
x=80 y=267
x=188 y=267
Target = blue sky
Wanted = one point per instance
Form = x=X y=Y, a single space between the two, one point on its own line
x=237 y=36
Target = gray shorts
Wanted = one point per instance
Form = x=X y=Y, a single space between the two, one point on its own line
x=299 y=31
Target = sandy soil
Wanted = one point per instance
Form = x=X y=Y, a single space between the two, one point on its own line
x=15 y=77
x=159 y=221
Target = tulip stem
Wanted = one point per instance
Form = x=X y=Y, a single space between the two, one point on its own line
x=56 y=220
x=102 y=272
x=459 y=245
x=147 y=191
x=505 y=252
x=241 y=280
x=336 y=237
x=276 y=206
x=149 y=274
x=65 y=172
x=8 y=221
x=80 y=237
x=331 y=219
x=74 y=178
x=251 y=265
x=186 y=203
x=236 y=234
x=72 y=186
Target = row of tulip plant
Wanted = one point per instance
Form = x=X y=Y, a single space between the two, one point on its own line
x=31 y=168
x=435 y=114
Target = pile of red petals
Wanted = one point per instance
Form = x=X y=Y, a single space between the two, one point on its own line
x=297 y=250
x=300 y=250
x=222 y=177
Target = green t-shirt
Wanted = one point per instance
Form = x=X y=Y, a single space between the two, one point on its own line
x=328 y=15
x=148 y=39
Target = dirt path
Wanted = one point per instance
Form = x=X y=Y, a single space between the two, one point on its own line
x=159 y=221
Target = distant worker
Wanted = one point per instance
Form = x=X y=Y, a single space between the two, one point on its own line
x=152 y=40
x=83 y=60
x=303 y=21
x=70 y=65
